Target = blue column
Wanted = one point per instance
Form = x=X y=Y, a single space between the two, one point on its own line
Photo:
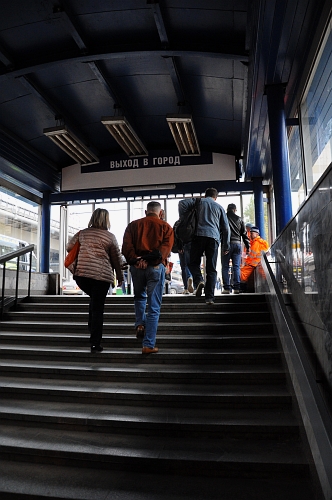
x=259 y=205
x=45 y=234
x=279 y=155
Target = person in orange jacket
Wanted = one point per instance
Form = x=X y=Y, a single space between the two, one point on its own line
x=257 y=245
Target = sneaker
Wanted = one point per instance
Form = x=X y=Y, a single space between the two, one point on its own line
x=226 y=292
x=199 y=288
x=190 y=285
x=185 y=292
x=237 y=291
x=209 y=302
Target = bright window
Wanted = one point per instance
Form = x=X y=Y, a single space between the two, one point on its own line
x=316 y=115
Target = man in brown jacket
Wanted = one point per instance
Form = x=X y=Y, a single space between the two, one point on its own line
x=147 y=243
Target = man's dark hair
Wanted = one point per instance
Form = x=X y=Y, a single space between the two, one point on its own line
x=211 y=193
x=153 y=206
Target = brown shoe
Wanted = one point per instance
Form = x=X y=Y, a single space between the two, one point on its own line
x=149 y=350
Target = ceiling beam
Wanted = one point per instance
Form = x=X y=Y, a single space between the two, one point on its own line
x=54 y=109
x=104 y=82
x=6 y=59
x=159 y=20
x=108 y=56
x=69 y=25
x=171 y=66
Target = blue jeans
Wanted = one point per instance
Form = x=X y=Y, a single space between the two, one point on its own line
x=97 y=291
x=208 y=246
x=234 y=254
x=184 y=261
x=148 y=290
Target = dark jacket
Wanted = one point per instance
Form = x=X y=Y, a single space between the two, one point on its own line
x=238 y=229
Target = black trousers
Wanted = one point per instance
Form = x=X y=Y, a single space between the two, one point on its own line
x=97 y=290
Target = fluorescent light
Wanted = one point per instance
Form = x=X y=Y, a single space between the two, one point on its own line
x=124 y=135
x=184 y=134
x=149 y=188
x=71 y=145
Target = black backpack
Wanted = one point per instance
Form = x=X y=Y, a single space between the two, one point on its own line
x=185 y=228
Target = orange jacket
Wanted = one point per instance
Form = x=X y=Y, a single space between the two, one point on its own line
x=256 y=247
x=147 y=234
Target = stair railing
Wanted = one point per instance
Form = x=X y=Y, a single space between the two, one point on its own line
x=315 y=414
x=6 y=258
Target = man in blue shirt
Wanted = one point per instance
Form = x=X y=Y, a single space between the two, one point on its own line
x=212 y=228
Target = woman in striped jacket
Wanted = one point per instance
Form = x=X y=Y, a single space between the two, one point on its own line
x=99 y=256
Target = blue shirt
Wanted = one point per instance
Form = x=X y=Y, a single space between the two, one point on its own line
x=212 y=220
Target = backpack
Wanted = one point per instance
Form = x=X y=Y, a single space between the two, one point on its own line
x=185 y=228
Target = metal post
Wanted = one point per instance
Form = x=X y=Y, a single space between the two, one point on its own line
x=129 y=273
x=259 y=205
x=45 y=234
x=279 y=155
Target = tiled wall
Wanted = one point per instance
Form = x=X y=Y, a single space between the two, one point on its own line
x=303 y=253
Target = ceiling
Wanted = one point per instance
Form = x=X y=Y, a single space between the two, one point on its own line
x=74 y=61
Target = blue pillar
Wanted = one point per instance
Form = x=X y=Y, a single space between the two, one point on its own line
x=279 y=155
x=45 y=234
x=259 y=205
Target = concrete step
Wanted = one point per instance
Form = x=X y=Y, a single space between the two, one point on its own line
x=170 y=353
x=142 y=371
x=147 y=394
x=159 y=421
x=114 y=307
x=244 y=298
x=259 y=328
x=171 y=317
x=158 y=454
x=33 y=481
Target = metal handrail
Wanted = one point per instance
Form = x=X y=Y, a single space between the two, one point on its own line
x=7 y=257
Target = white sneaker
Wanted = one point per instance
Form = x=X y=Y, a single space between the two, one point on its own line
x=226 y=292
x=185 y=292
x=237 y=291
x=190 y=285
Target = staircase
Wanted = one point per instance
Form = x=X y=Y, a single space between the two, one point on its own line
x=208 y=417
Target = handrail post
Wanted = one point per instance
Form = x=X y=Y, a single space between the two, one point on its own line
x=29 y=284
x=16 y=284
x=3 y=288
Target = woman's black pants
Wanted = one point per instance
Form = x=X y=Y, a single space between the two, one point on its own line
x=97 y=290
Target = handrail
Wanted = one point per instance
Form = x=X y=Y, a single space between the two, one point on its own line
x=3 y=260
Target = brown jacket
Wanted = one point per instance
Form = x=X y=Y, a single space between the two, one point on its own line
x=99 y=255
x=145 y=235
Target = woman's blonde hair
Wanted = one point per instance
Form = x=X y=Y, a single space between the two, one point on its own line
x=100 y=219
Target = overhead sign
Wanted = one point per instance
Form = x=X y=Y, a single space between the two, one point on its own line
x=155 y=159
x=157 y=168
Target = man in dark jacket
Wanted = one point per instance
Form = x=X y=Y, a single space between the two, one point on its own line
x=238 y=231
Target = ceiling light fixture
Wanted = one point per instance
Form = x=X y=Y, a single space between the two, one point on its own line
x=71 y=145
x=124 y=135
x=184 y=134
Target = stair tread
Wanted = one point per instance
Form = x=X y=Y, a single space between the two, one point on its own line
x=90 y=484
x=88 y=386
x=154 y=447
x=164 y=415
x=144 y=368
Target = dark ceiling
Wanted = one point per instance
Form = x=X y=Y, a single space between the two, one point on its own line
x=74 y=61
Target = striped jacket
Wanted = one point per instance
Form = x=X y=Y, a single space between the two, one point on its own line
x=99 y=255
